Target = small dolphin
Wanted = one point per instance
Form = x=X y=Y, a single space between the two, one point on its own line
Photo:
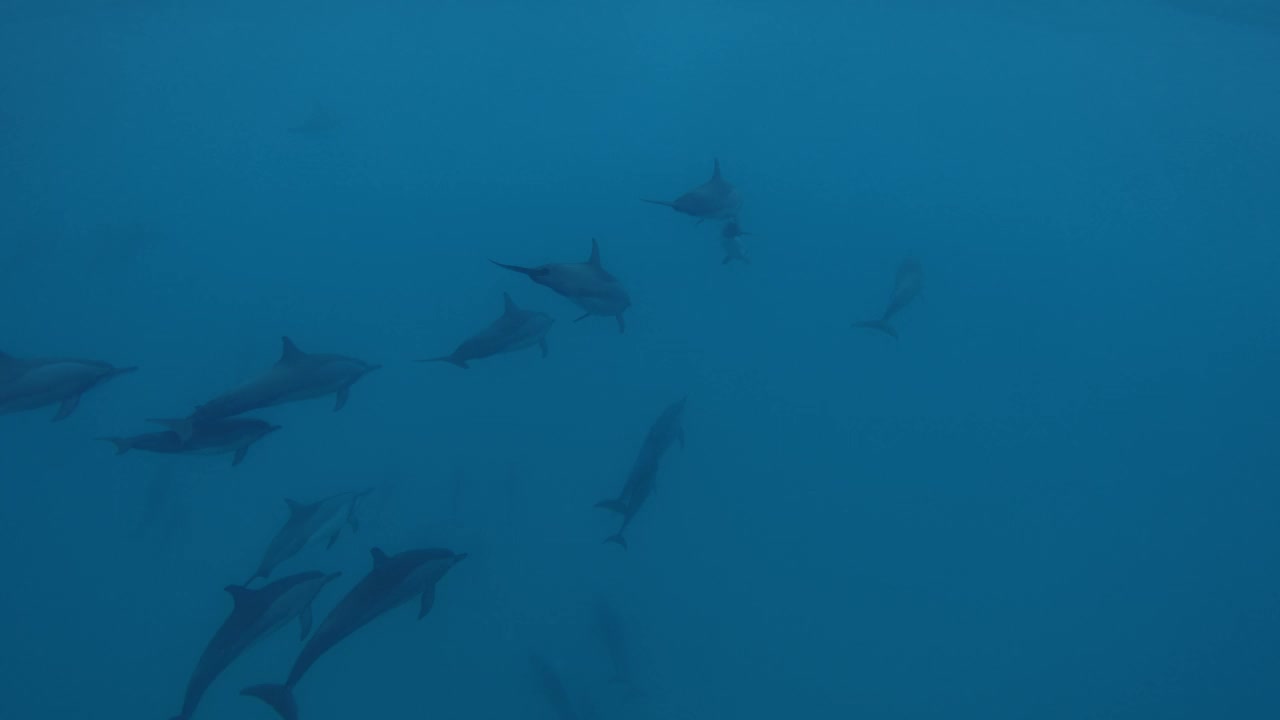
x=552 y=688
x=296 y=376
x=729 y=242
x=587 y=284
x=210 y=437
x=905 y=289
x=257 y=614
x=392 y=582
x=515 y=330
x=320 y=521
x=715 y=199
x=27 y=384
x=613 y=636
x=665 y=431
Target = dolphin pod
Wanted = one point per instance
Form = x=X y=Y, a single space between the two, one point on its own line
x=393 y=581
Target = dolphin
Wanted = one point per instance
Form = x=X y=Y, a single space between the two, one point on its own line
x=515 y=330
x=256 y=614
x=320 y=521
x=30 y=383
x=209 y=437
x=729 y=242
x=665 y=431
x=714 y=199
x=905 y=289
x=296 y=376
x=587 y=284
x=552 y=688
x=393 y=582
x=613 y=636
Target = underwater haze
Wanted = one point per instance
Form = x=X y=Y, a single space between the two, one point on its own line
x=979 y=415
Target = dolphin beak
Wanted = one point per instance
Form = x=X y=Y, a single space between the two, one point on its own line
x=371 y=368
x=273 y=428
x=531 y=272
x=459 y=557
x=123 y=370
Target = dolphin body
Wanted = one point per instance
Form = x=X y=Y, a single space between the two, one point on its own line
x=30 y=383
x=613 y=636
x=257 y=614
x=320 y=521
x=552 y=688
x=587 y=284
x=714 y=199
x=210 y=437
x=730 y=243
x=905 y=288
x=393 y=581
x=516 y=329
x=296 y=376
x=665 y=431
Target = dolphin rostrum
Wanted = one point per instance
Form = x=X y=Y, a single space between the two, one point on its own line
x=210 y=437
x=516 y=329
x=714 y=199
x=730 y=243
x=393 y=581
x=320 y=521
x=256 y=614
x=296 y=376
x=905 y=289
x=587 y=284
x=30 y=383
x=666 y=430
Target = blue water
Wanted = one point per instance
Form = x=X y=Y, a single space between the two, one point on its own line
x=1054 y=496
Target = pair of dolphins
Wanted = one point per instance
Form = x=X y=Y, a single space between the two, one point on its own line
x=665 y=432
x=216 y=426
x=393 y=581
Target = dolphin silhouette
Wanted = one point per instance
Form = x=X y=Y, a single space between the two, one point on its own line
x=905 y=288
x=714 y=199
x=587 y=284
x=209 y=437
x=393 y=581
x=320 y=521
x=516 y=329
x=665 y=431
x=256 y=614
x=27 y=384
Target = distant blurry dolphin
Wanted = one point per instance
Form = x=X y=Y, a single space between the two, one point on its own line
x=729 y=242
x=665 y=431
x=553 y=689
x=296 y=376
x=587 y=284
x=905 y=289
x=210 y=437
x=27 y=384
x=515 y=329
x=320 y=521
x=613 y=636
x=715 y=199
x=257 y=613
x=392 y=582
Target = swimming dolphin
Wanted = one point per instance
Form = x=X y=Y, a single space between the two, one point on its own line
x=320 y=521
x=209 y=437
x=256 y=614
x=552 y=688
x=905 y=289
x=296 y=376
x=392 y=582
x=729 y=242
x=613 y=636
x=587 y=284
x=515 y=330
x=30 y=383
x=665 y=431
x=714 y=199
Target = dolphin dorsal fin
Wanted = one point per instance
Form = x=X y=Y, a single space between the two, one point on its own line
x=594 y=260
x=239 y=593
x=379 y=558
x=715 y=173
x=295 y=507
x=509 y=306
x=289 y=353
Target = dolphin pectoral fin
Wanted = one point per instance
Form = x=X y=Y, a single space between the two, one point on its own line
x=542 y=345
x=615 y=505
x=341 y=400
x=123 y=445
x=240 y=453
x=881 y=325
x=333 y=538
x=279 y=697
x=428 y=600
x=617 y=539
x=304 y=621
x=622 y=323
x=68 y=406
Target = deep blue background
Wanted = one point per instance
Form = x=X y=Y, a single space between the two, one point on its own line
x=1055 y=497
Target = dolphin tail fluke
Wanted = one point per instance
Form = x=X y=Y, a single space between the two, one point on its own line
x=123 y=445
x=666 y=203
x=615 y=505
x=881 y=325
x=449 y=359
x=279 y=697
x=183 y=426
x=617 y=539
